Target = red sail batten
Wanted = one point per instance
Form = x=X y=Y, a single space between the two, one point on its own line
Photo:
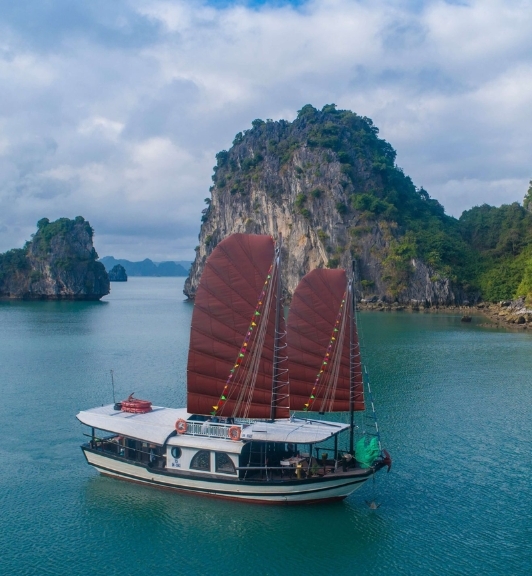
x=313 y=314
x=227 y=297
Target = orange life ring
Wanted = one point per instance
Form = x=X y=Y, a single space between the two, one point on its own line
x=234 y=433
x=181 y=426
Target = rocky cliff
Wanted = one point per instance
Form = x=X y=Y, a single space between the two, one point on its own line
x=515 y=313
x=117 y=274
x=330 y=186
x=59 y=263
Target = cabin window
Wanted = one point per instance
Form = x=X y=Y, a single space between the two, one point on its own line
x=224 y=464
x=176 y=452
x=201 y=461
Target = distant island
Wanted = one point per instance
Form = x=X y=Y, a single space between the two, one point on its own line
x=59 y=263
x=118 y=274
x=147 y=267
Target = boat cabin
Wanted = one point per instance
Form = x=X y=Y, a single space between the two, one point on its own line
x=171 y=441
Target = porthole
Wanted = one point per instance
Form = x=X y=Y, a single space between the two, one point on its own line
x=176 y=452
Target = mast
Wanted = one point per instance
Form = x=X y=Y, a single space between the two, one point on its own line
x=351 y=289
x=276 y=343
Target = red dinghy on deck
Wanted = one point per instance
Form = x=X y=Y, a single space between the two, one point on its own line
x=135 y=405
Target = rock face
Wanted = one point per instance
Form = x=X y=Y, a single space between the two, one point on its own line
x=117 y=274
x=59 y=263
x=326 y=183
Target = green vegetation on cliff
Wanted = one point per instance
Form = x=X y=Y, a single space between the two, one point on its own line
x=337 y=156
x=501 y=239
x=62 y=227
x=13 y=262
x=58 y=263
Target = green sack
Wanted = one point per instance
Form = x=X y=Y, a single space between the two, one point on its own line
x=366 y=452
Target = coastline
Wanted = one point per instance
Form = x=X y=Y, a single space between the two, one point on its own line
x=513 y=315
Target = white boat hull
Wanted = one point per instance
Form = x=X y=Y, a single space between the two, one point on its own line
x=319 y=489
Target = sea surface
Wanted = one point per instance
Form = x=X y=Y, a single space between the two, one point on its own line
x=455 y=412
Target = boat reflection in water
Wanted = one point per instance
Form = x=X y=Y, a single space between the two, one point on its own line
x=248 y=377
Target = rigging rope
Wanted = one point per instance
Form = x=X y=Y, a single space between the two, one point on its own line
x=332 y=377
x=243 y=374
x=333 y=343
x=365 y=380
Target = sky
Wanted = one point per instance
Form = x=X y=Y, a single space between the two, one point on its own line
x=115 y=110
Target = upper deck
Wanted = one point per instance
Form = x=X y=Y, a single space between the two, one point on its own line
x=157 y=425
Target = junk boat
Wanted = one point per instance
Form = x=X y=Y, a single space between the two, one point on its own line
x=257 y=392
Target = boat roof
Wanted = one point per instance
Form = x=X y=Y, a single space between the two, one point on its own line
x=155 y=427
x=293 y=430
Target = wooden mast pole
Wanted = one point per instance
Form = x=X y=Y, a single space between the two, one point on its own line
x=275 y=376
x=352 y=362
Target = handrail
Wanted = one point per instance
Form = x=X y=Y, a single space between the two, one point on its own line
x=211 y=429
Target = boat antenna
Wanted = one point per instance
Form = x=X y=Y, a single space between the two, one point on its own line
x=113 y=385
x=275 y=375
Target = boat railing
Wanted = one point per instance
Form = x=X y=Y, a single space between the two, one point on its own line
x=211 y=429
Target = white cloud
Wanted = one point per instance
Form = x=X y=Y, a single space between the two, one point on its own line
x=110 y=129
x=467 y=192
x=119 y=121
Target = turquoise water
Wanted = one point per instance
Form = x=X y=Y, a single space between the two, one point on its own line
x=454 y=404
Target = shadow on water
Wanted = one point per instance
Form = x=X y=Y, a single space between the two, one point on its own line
x=234 y=534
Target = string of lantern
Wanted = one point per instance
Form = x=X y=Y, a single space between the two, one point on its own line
x=326 y=359
x=244 y=349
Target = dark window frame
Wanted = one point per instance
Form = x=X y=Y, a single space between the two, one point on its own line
x=199 y=454
x=229 y=460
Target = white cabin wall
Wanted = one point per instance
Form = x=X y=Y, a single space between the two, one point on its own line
x=187 y=453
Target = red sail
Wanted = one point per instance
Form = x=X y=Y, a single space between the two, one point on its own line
x=230 y=360
x=323 y=347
